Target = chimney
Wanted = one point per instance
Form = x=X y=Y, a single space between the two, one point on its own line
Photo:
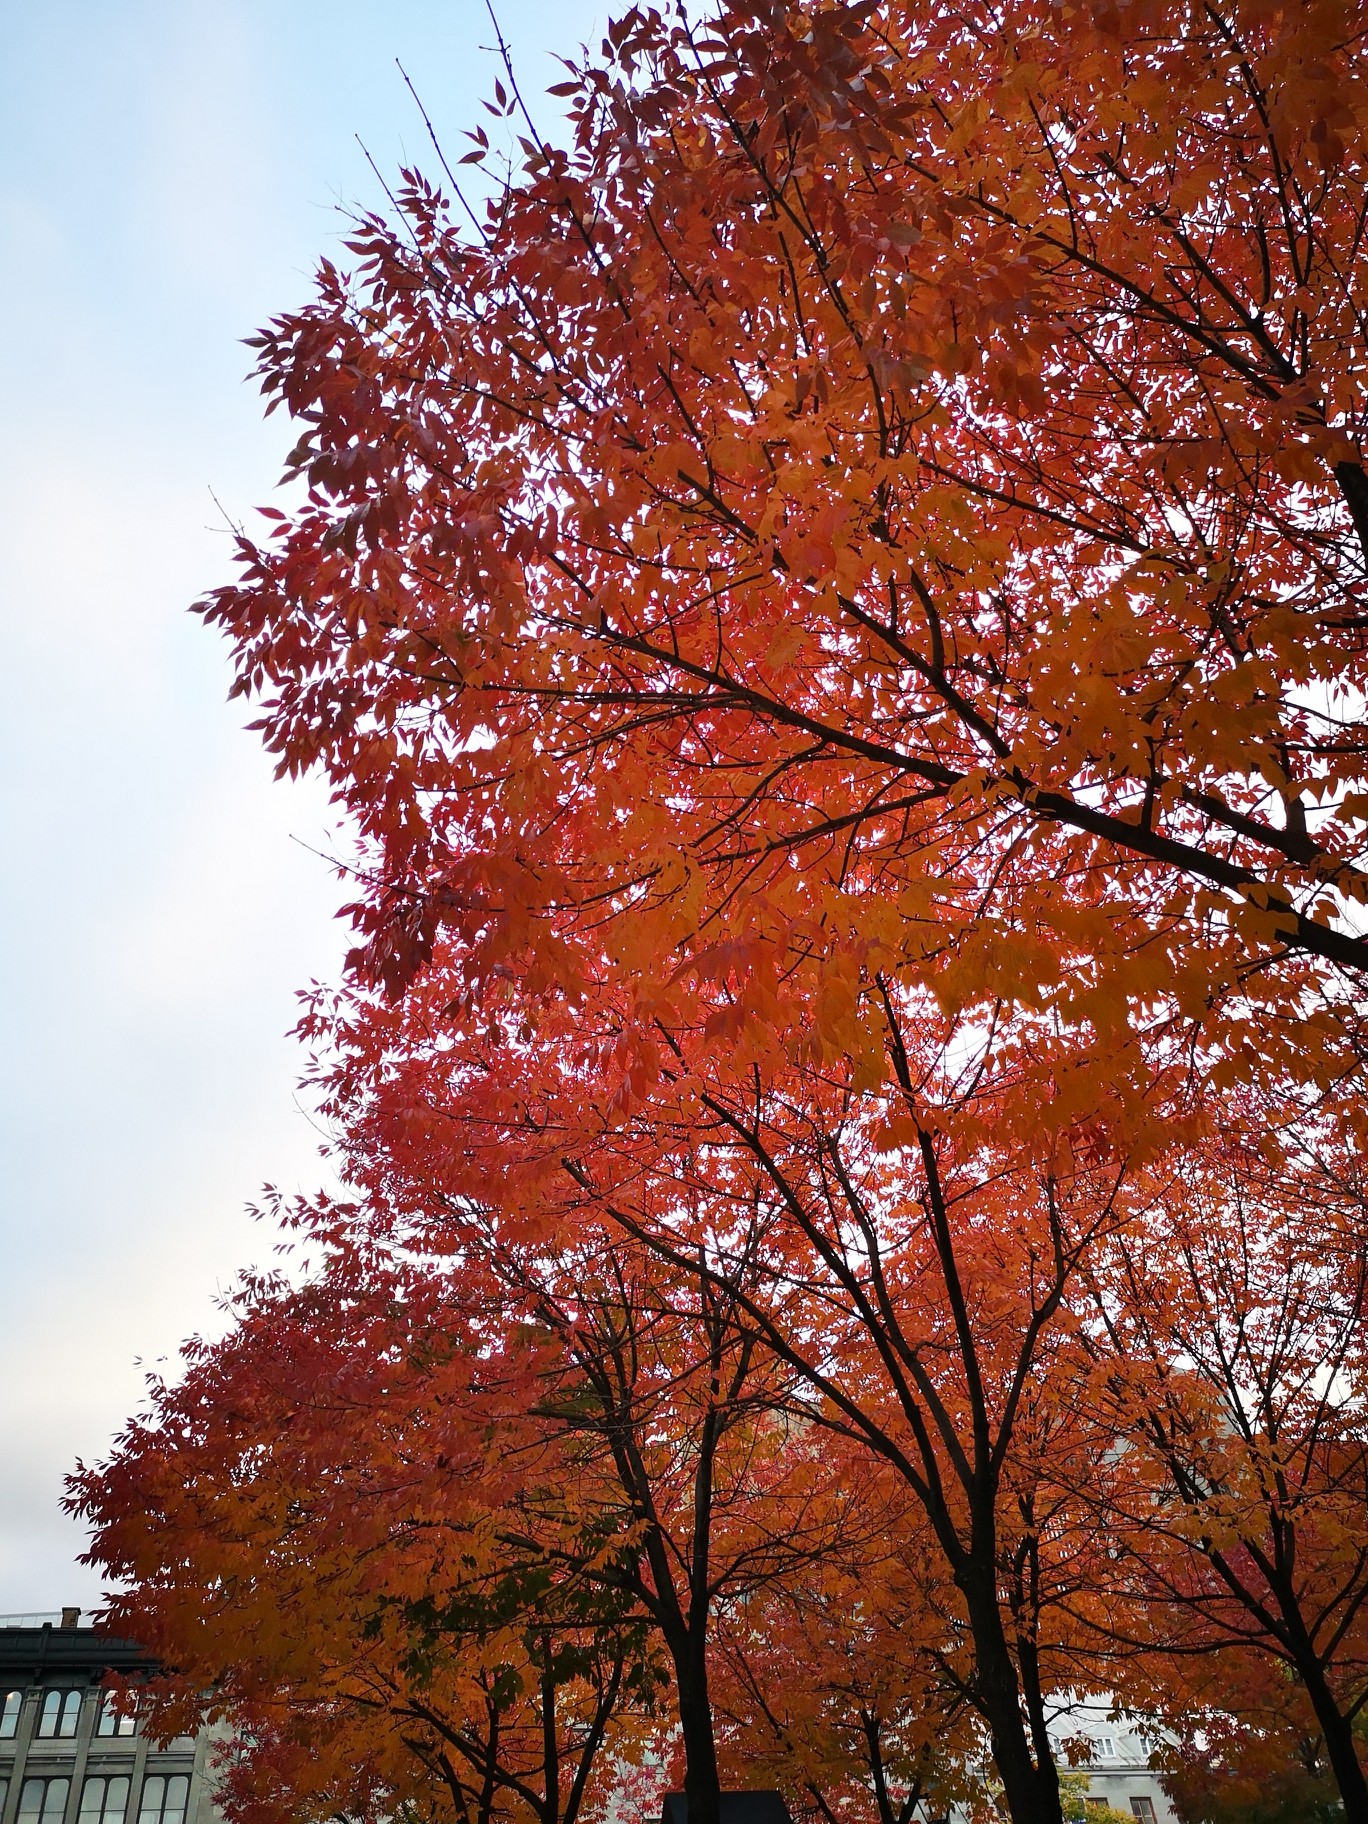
x=71 y=1618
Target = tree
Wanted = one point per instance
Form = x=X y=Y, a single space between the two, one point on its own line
x=719 y=1493
x=1246 y=1746
x=860 y=553
x=469 y=1507
x=344 y=1527
x=892 y=487
x=1078 y=1808
x=1237 y=1377
x=905 y=1256
x=847 y=1684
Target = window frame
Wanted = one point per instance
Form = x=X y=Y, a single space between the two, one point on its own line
x=161 y=1815
x=101 y=1814
x=1142 y=1808
x=65 y=1694
x=122 y=1725
x=47 y=1781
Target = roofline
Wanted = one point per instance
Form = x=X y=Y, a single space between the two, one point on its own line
x=34 y=1651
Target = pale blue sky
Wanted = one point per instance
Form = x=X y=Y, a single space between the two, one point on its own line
x=169 y=172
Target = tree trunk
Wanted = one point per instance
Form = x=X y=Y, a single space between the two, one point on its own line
x=702 y=1792
x=550 y=1739
x=1339 y=1745
x=1354 y=487
x=1335 y=1727
x=1031 y=1789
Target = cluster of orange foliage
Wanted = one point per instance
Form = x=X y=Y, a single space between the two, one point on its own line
x=835 y=608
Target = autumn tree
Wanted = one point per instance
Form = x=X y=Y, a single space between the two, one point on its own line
x=835 y=609
x=904 y=1256
x=718 y=1492
x=1246 y=1747
x=474 y=1508
x=891 y=488
x=344 y=1526
x=869 y=533
x=941 y=1262
x=846 y=1683
x=1238 y=1324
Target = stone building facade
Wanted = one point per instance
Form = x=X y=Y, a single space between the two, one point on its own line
x=67 y=1753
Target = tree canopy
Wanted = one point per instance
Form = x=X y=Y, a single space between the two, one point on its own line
x=833 y=606
x=886 y=496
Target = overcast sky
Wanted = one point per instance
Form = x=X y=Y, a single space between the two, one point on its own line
x=170 y=172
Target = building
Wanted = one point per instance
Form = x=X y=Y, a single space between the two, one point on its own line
x=1116 y=1761
x=67 y=1753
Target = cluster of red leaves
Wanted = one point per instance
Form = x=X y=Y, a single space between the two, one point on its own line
x=887 y=497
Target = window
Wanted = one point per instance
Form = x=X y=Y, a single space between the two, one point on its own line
x=163 y=1798
x=1094 y=1804
x=42 y=1801
x=118 y=1713
x=60 y=1713
x=11 y=1703
x=1143 y=1809
x=1105 y=1747
x=104 y=1799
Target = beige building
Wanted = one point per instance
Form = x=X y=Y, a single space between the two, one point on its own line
x=67 y=1755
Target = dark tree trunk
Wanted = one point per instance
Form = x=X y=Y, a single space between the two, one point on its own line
x=550 y=1740
x=1030 y=1786
x=701 y=1789
x=1354 y=487
x=1340 y=1750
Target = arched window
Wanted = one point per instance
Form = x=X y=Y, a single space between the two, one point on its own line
x=118 y=1713
x=164 y=1797
x=11 y=1703
x=42 y=1801
x=104 y=1799
x=60 y=1713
